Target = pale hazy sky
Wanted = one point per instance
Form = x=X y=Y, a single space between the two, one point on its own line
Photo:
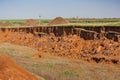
x=21 y=9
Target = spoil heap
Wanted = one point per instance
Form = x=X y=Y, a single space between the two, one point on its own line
x=58 y=20
x=30 y=22
x=6 y=23
x=9 y=70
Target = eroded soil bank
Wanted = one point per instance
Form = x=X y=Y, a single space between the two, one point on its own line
x=70 y=46
x=85 y=32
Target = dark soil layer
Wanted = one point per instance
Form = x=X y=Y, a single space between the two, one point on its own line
x=87 y=33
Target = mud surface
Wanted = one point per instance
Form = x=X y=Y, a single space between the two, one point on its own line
x=69 y=46
x=9 y=70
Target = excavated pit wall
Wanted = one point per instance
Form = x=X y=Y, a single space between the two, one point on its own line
x=87 y=33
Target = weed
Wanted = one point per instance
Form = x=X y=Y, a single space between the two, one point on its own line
x=27 y=57
x=69 y=73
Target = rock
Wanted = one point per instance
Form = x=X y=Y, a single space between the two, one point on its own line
x=99 y=49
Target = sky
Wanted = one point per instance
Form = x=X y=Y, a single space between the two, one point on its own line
x=48 y=9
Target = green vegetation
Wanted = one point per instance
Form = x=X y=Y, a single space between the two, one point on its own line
x=16 y=50
x=81 y=29
x=73 y=22
x=96 y=22
x=27 y=57
x=69 y=73
x=16 y=22
x=42 y=33
x=90 y=20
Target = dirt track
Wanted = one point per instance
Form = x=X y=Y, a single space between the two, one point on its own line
x=71 y=46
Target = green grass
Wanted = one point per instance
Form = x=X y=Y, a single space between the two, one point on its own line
x=15 y=22
x=90 y=20
x=27 y=57
x=42 y=33
x=18 y=22
x=16 y=50
x=85 y=30
x=73 y=22
x=6 y=51
x=69 y=73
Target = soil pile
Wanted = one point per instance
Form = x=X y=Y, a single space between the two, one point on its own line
x=1 y=23
x=30 y=22
x=5 y=24
x=9 y=70
x=58 y=20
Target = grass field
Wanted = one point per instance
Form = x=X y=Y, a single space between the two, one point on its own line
x=18 y=22
x=73 y=22
x=56 y=68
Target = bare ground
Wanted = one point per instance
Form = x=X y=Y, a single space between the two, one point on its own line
x=57 y=68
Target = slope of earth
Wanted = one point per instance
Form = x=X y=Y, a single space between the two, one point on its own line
x=74 y=47
x=9 y=70
x=71 y=46
x=58 y=68
x=19 y=54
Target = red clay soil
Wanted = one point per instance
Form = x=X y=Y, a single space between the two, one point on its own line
x=20 y=38
x=58 y=20
x=71 y=46
x=9 y=70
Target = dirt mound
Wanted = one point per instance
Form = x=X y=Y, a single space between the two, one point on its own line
x=30 y=22
x=58 y=20
x=6 y=23
x=1 y=23
x=9 y=70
